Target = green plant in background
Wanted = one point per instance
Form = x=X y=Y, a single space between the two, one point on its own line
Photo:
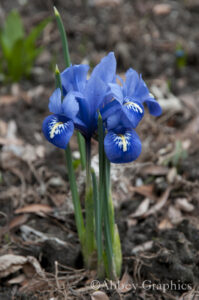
x=18 y=51
x=181 y=57
x=177 y=156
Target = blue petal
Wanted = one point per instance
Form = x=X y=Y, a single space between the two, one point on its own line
x=116 y=92
x=70 y=106
x=109 y=109
x=58 y=130
x=95 y=93
x=114 y=120
x=153 y=106
x=81 y=126
x=132 y=81
x=122 y=148
x=74 y=78
x=106 y=69
x=133 y=112
x=55 y=105
x=84 y=112
x=141 y=91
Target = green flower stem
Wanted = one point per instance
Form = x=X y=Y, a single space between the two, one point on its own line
x=108 y=224
x=89 y=255
x=75 y=196
x=98 y=227
x=82 y=146
x=104 y=184
x=115 y=239
x=71 y=174
x=99 y=207
x=62 y=31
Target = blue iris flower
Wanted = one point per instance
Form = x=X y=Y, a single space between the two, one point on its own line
x=128 y=100
x=82 y=99
x=121 y=108
x=95 y=95
x=123 y=113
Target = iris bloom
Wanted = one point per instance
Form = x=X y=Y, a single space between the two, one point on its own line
x=82 y=99
x=124 y=113
x=121 y=108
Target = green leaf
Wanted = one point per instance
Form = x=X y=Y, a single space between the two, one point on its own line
x=15 y=62
x=63 y=37
x=35 y=33
x=98 y=226
x=81 y=144
x=13 y=31
x=18 y=52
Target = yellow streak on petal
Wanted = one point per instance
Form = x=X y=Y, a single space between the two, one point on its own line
x=52 y=132
x=123 y=142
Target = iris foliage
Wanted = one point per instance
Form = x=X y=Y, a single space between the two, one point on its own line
x=104 y=107
x=18 y=50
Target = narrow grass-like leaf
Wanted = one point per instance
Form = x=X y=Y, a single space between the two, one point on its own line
x=63 y=37
x=104 y=185
x=62 y=31
x=12 y=32
x=117 y=252
x=98 y=227
x=81 y=143
x=75 y=196
x=58 y=80
x=89 y=210
x=71 y=174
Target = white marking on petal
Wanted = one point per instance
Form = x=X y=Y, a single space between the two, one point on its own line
x=134 y=106
x=56 y=127
x=122 y=140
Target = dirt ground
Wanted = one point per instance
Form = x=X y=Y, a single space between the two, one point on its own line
x=156 y=198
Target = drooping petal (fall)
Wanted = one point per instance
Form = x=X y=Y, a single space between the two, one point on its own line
x=58 y=130
x=133 y=112
x=153 y=106
x=122 y=147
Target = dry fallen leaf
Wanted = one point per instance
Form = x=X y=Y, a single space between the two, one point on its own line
x=184 y=205
x=125 y=284
x=154 y=170
x=162 y=9
x=142 y=209
x=165 y=224
x=174 y=215
x=18 y=221
x=8 y=99
x=143 y=247
x=11 y=263
x=162 y=201
x=98 y=295
x=34 y=208
x=17 y=280
x=105 y=3
x=145 y=190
